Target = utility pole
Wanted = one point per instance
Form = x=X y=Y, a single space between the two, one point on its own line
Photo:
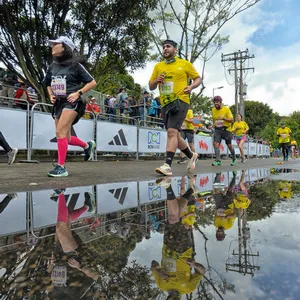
x=238 y=58
x=241 y=260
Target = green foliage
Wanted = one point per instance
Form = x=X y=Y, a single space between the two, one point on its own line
x=201 y=104
x=116 y=30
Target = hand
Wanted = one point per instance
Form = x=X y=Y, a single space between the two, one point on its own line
x=188 y=89
x=220 y=118
x=73 y=97
x=74 y=263
x=161 y=78
x=52 y=98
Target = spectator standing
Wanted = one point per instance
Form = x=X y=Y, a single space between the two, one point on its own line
x=121 y=103
x=106 y=104
x=113 y=109
x=9 y=80
x=144 y=103
x=153 y=110
x=22 y=93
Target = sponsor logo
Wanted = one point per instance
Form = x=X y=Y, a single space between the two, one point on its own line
x=204 y=181
x=119 y=194
x=222 y=178
x=153 y=139
x=203 y=145
x=71 y=199
x=154 y=192
x=119 y=139
x=73 y=133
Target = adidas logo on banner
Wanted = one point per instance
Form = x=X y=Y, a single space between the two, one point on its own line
x=120 y=194
x=119 y=139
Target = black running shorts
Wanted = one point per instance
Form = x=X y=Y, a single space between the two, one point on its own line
x=223 y=134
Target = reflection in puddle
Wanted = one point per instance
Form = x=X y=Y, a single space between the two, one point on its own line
x=142 y=240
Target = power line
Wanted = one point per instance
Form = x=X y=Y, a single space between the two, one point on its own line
x=238 y=60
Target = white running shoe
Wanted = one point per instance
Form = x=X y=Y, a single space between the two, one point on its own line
x=165 y=169
x=12 y=155
x=165 y=182
x=192 y=162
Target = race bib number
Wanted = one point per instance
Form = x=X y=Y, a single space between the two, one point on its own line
x=59 y=275
x=59 y=86
x=285 y=189
x=283 y=135
x=167 y=88
x=169 y=264
x=219 y=123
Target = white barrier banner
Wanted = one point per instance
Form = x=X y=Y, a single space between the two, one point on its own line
x=204 y=182
x=13 y=216
x=259 y=149
x=13 y=127
x=223 y=147
x=203 y=144
x=115 y=137
x=149 y=192
x=152 y=140
x=253 y=174
x=43 y=136
x=236 y=147
x=252 y=148
x=112 y=197
x=246 y=148
x=45 y=205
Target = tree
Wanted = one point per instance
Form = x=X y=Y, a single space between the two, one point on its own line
x=257 y=116
x=201 y=104
x=118 y=30
x=198 y=22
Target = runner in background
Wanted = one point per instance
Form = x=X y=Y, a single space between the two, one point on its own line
x=240 y=128
x=284 y=134
x=64 y=80
x=294 y=148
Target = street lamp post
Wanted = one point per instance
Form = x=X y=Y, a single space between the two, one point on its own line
x=217 y=88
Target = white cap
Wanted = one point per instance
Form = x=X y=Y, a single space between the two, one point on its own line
x=64 y=40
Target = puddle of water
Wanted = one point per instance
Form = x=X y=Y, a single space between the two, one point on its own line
x=134 y=239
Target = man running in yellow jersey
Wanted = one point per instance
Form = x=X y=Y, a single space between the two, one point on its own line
x=187 y=133
x=285 y=190
x=294 y=148
x=175 y=275
x=172 y=76
x=223 y=119
x=284 y=134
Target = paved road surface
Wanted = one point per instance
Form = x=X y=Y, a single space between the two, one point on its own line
x=26 y=177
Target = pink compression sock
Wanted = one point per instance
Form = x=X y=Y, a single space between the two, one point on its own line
x=62 y=145
x=75 y=214
x=75 y=141
x=63 y=213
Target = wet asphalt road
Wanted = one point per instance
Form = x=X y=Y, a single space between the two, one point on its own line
x=27 y=177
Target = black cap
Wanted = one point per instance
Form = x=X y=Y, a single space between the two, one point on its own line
x=146 y=92
x=170 y=42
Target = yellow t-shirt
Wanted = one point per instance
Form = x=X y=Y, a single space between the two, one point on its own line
x=225 y=223
x=284 y=135
x=179 y=271
x=241 y=201
x=191 y=219
x=177 y=75
x=223 y=112
x=293 y=143
x=285 y=190
x=239 y=128
x=186 y=125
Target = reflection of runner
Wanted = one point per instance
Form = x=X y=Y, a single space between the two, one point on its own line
x=69 y=252
x=6 y=200
x=225 y=213
x=11 y=152
x=175 y=273
x=241 y=128
x=285 y=190
x=64 y=80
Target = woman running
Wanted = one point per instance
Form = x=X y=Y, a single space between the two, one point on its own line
x=241 y=128
x=64 y=80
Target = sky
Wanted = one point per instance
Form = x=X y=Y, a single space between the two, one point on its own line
x=270 y=31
